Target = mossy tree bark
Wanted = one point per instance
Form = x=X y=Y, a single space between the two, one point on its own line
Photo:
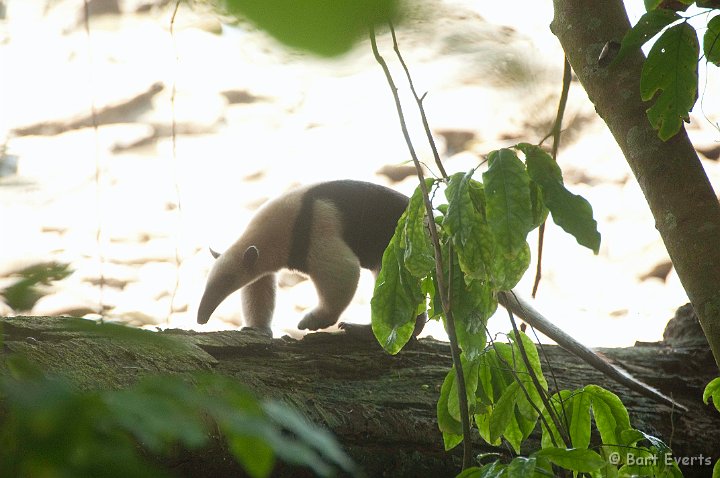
x=682 y=201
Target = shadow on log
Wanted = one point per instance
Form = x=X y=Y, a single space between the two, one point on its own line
x=380 y=407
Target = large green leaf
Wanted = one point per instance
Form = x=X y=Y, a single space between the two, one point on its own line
x=539 y=209
x=578 y=460
x=323 y=443
x=573 y=409
x=649 y=25
x=472 y=303
x=418 y=255
x=323 y=27
x=508 y=272
x=712 y=390
x=396 y=297
x=508 y=206
x=611 y=416
x=521 y=466
x=467 y=227
x=671 y=70
x=571 y=212
x=449 y=425
x=524 y=406
x=711 y=41
x=503 y=411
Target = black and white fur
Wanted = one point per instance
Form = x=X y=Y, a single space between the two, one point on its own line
x=329 y=231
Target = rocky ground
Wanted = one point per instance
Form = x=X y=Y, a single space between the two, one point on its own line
x=133 y=210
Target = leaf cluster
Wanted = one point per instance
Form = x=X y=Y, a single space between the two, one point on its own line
x=483 y=229
x=49 y=428
x=506 y=405
x=670 y=74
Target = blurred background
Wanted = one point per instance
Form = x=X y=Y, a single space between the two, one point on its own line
x=117 y=220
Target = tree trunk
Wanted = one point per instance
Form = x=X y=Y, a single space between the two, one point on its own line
x=380 y=407
x=682 y=201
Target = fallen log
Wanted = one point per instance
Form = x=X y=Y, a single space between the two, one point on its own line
x=380 y=407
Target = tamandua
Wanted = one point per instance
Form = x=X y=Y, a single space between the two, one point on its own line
x=329 y=231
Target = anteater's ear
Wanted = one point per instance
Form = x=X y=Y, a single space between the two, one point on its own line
x=215 y=254
x=251 y=256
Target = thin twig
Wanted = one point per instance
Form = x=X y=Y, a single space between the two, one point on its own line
x=98 y=168
x=419 y=101
x=173 y=132
x=555 y=133
x=452 y=335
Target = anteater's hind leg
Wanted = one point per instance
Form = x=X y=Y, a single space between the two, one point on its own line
x=335 y=271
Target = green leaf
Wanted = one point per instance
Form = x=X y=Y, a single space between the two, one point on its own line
x=714 y=4
x=323 y=27
x=491 y=470
x=611 y=416
x=430 y=289
x=711 y=41
x=23 y=294
x=497 y=385
x=51 y=428
x=502 y=413
x=578 y=460
x=579 y=419
x=512 y=269
x=573 y=410
x=631 y=436
x=159 y=412
x=713 y=390
x=502 y=409
x=396 y=297
x=524 y=406
x=649 y=25
x=253 y=453
x=472 y=472
x=671 y=69
x=472 y=303
x=450 y=427
x=571 y=212
x=521 y=466
x=486 y=393
x=467 y=227
x=652 y=4
x=418 y=255
x=539 y=209
x=244 y=422
x=716 y=469
x=310 y=434
x=507 y=194
x=470 y=372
